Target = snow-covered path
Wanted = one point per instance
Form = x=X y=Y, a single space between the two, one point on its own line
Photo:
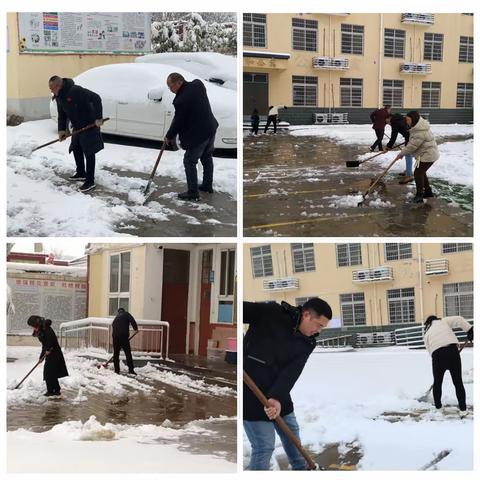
x=42 y=202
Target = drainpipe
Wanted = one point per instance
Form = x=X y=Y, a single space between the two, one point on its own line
x=88 y=284
x=420 y=280
x=380 y=62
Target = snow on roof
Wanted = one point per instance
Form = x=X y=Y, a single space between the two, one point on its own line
x=82 y=322
x=36 y=267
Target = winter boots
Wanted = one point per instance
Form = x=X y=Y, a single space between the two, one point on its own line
x=405 y=179
x=87 y=186
x=428 y=193
x=205 y=189
x=189 y=195
x=417 y=198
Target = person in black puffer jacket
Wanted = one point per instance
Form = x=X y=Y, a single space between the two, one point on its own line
x=120 y=333
x=82 y=108
x=54 y=366
x=279 y=340
x=196 y=126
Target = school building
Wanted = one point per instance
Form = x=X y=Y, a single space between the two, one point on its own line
x=370 y=286
x=342 y=66
x=190 y=286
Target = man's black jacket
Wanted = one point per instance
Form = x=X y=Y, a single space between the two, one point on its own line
x=399 y=126
x=121 y=325
x=82 y=107
x=193 y=121
x=275 y=353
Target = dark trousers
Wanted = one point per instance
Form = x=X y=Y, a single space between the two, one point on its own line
x=421 y=179
x=270 y=119
x=52 y=385
x=443 y=359
x=255 y=128
x=78 y=154
x=379 y=132
x=122 y=343
x=204 y=153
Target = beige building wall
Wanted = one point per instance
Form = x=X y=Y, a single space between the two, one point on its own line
x=329 y=281
x=28 y=73
x=372 y=66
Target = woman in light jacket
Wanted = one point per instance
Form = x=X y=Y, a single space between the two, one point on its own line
x=423 y=147
x=442 y=344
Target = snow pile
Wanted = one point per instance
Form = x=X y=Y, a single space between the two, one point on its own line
x=344 y=201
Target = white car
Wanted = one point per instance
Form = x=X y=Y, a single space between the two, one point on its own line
x=136 y=98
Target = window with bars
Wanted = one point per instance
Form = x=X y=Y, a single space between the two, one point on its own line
x=304 y=34
x=456 y=247
x=119 y=289
x=255 y=29
x=262 y=264
x=394 y=43
x=352 y=39
x=465 y=53
x=398 y=251
x=464 y=95
x=393 y=93
x=458 y=299
x=303 y=257
x=431 y=94
x=433 y=46
x=401 y=305
x=351 y=92
x=348 y=254
x=352 y=308
x=255 y=77
x=304 y=91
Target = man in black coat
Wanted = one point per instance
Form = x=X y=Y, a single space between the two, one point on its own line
x=54 y=366
x=120 y=333
x=82 y=108
x=196 y=126
x=279 y=340
x=399 y=126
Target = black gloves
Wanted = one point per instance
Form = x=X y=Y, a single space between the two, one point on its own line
x=470 y=335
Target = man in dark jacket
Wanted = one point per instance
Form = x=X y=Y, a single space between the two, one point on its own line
x=82 y=108
x=54 y=366
x=196 y=126
x=120 y=333
x=279 y=340
x=399 y=126
x=378 y=118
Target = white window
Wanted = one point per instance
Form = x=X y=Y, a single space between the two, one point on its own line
x=398 y=251
x=464 y=95
x=465 y=54
x=456 y=247
x=351 y=92
x=393 y=93
x=433 y=46
x=352 y=39
x=255 y=29
x=348 y=254
x=262 y=264
x=119 y=291
x=431 y=94
x=458 y=299
x=303 y=257
x=394 y=43
x=304 y=34
x=227 y=287
x=352 y=307
x=401 y=305
x=304 y=90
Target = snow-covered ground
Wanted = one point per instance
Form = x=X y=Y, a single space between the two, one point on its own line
x=341 y=396
x=41 y=203
x=109 y=447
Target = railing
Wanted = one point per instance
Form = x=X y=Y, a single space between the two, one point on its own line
x=416 y=68
x=437 y=267
x=412 y=337
x=418 y=18
x=334 y=342
x=330 y=118
x=96 y=332
x=281 y=284
x=377 y=274
x=374 y=339
x=330 y=63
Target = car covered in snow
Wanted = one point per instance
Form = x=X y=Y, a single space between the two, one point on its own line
x=213 y=67
x=136 y=98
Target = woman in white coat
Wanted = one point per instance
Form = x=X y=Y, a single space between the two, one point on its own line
x=442 y=344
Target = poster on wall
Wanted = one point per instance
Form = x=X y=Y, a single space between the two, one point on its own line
x=86 y=33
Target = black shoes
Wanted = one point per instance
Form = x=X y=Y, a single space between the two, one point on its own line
x=428 y=193
x=87 y=186
x=131 y=372
x=193 y=196
x=417 y=198
x=77 y=177
x=205 y=189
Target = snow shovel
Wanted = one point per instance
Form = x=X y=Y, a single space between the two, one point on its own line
x=105 y=365
x=372 y=186
x=424 y=398
x=357 y=163
x=147 y=188
x=75 y=132
x=280 y=422
x=42 y=358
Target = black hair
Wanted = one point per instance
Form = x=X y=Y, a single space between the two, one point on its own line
x=37 y=321
x=319 y=306
x=54 y=78
x=429 y=320
x=121 y=310
x=415 y=116
x=387 y=106
x=175 y=77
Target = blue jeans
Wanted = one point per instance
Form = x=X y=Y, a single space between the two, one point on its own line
x=204 y=152
x=408 y=165
x=261 y=435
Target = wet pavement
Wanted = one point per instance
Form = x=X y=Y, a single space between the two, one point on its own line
x=289 y=183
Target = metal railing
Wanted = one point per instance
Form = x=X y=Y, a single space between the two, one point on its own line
x=330 y=63
x=416 y=68
x=374 y=339
x=96 y=332
x=281 y=284
x=334 y=342
x=330 y=118
x=436 y=267
x=376 y=274
x=418 y=18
